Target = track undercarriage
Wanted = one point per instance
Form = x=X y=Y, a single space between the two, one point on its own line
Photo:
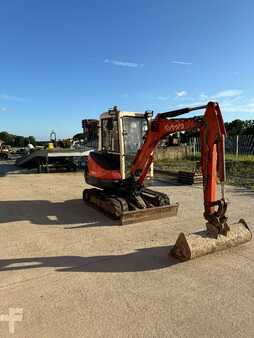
x=146 y=204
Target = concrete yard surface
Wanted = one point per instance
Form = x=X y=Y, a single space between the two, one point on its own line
x=68 y=271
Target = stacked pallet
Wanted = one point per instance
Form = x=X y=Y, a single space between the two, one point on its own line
x=187 y=177
x=166 y=175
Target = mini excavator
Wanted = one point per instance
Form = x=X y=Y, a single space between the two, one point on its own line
x=123 y=161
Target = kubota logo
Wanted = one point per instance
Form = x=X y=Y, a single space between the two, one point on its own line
x=174 y=127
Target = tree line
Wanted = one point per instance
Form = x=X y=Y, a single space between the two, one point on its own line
x=240 y=127
x=235 y=127
x=16 y=140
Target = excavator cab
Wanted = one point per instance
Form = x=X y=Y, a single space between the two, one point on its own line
x=120 y=135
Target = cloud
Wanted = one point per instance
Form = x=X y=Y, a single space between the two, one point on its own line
x=203 y=96
x=228 y=93
x=181 y=93
x=244 y=107
x=3 y=109
x=181 y=62
x=232 y=101
x=124 y=63
x=233 y=104
x=162 y=98
x=11 y=97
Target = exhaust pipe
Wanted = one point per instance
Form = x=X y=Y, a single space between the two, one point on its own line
x=193 y=245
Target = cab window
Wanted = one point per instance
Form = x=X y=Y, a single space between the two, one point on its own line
x=110 y=140
x=134 y=129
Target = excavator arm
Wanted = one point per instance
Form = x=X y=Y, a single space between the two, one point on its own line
x=212 y=139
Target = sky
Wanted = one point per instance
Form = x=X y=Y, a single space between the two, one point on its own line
x=65 y=60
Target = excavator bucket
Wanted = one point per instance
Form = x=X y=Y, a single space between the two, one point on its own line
x=193 y=245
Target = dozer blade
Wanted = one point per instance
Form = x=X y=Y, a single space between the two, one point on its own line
x=118 y=208
x=193 y=245
x=148 y=214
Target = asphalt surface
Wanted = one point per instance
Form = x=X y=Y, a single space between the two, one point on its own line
x=68 y=271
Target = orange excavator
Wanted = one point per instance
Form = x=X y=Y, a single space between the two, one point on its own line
x=123 y=161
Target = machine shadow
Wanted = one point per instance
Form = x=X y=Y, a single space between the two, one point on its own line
x=144 y=259
x=43 y=212
x=7 y=167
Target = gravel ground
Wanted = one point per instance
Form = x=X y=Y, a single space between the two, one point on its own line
x=74 y=272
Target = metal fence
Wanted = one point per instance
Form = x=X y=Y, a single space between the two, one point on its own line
x=236 y=147
x=242 y=145
x=239 y=155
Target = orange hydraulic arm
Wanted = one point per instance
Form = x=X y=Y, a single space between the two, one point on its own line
x=212 y=138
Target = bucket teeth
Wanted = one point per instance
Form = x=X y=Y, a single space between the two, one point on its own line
x=181 y=248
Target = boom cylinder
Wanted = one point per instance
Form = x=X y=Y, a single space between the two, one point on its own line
x=174 y=113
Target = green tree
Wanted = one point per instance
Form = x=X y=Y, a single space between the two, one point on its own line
x=6 y=137
x=32 y=140
x=79 y=136
x=240 y=127
x=19 y=141
x=235 y=127
x=249 y=127
x=16 y=140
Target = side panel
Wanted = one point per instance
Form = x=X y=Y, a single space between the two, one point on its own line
x=97 y=171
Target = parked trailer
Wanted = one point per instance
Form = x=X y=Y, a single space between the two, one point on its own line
x=45 y=159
